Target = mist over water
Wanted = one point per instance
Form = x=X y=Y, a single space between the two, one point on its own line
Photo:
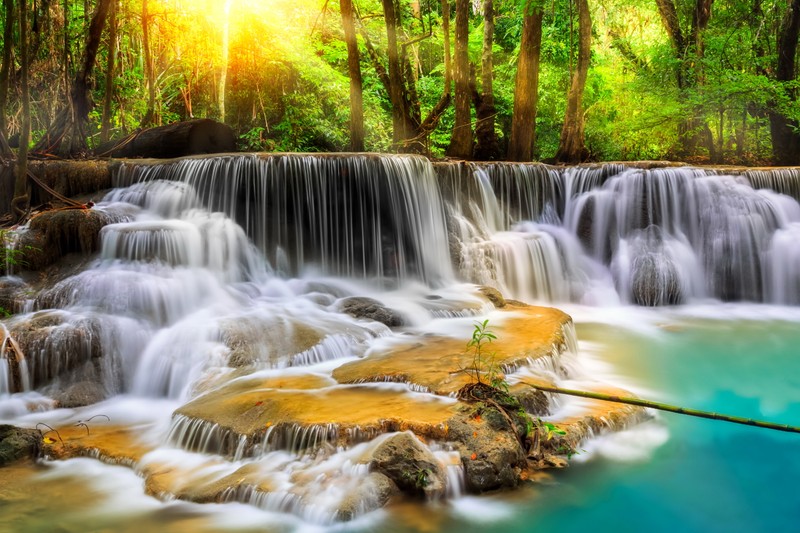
x=244 y=261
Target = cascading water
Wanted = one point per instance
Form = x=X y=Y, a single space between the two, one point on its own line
x=233 y=269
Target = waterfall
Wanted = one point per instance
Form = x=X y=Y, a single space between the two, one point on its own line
x=352 y=216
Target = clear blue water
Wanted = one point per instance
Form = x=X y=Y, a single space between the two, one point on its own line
x=709 y=475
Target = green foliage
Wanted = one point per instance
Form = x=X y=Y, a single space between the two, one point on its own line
x=10 y=256
x=287 y=85
x=420 y=478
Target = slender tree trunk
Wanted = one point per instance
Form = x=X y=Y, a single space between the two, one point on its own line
x=223 y=76
x=526 y=87
x=785 y=137
x=461 y=139
x=448 y=64
x=21 y=199
x=354 y=71
x=65 y=53
x=487 y=147
x=400 y=122
x=5 y=69
x=105 y=129
x=571 y=148
x=149 y=118
x=66 y=137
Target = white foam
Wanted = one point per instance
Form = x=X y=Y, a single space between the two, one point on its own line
x=635 y=444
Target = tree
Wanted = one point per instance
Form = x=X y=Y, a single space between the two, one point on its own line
x=150 y=117
x=461 y=139
x=21 y=201
x=402 y=125
x=571 y=147
x=223 y=76
x=105 y=128
x=5 y=69
x=66 y=137
x=354 y=71
x=487 y=147
x=689 y=52
x=785 y=130
x=526 y=86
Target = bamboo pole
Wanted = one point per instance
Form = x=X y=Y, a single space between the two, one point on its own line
x=667 y=407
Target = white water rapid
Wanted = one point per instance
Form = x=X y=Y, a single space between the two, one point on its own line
x=236 y=267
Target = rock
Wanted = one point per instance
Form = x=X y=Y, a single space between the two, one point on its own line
x=367 y=308
x=268 y=341
x=54 y=343
x=11 y=295
x=436 y=363
x=492 y=458
x=81 y=394
x=655 y=276
x=17 y=444
x=493 y=295
x=190 y=137
x=54 y=234
x=411 y=466
x=373 y=493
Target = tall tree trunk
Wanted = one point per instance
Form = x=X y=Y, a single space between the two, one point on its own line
x=487 y=147
x=689 y=51
x=461 y=139
x=5 y=69
x=21 y=199
x=448 y=64
x=571 y=147
x=223 y=76
x=354 y=71
x=105 y=128
x=526 y=87
x=401 y=122
x=66 y=137
x=785 y=136
x=149 y=118
x=65 y=57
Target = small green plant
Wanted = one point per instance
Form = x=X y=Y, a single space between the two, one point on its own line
x=483 y=363
x=549 y=429
x=420 y=478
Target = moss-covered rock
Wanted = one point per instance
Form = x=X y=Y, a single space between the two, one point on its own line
x=17 y=444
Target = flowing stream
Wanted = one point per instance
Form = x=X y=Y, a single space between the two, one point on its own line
x=243 y=262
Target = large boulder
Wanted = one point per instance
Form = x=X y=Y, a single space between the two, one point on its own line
x=491 y=452
x=17 y=444
x=411 y=466
x=190 y=137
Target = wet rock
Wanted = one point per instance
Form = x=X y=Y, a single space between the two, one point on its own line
x=490 y=451
x=655 y=276
x=411 y=466
x=12 y=295
x=80 y=394
x=367 y=308
x=54 y=343
x=534 y=401
x=494 y=296
x=270 y=341
x=373 y=493
x=437 y=363
x=54 y=234
x=17 y=444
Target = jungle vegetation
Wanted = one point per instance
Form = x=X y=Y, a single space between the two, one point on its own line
x=554 y=80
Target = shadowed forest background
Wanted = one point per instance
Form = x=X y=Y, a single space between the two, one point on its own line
x=553 y=80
